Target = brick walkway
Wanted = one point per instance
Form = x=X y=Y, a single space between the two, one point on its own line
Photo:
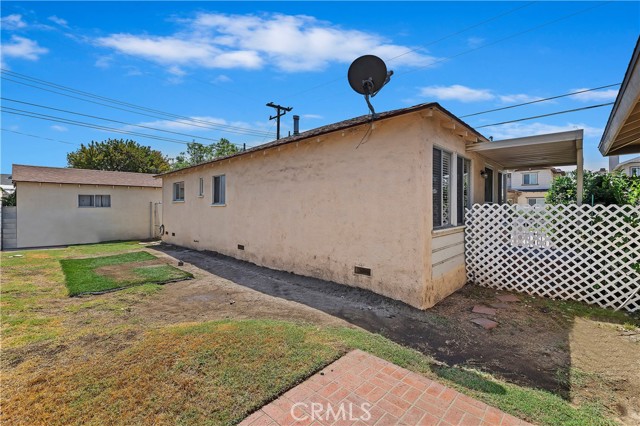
x=361 y=389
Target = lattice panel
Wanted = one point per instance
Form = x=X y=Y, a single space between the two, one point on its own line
x=585 y=253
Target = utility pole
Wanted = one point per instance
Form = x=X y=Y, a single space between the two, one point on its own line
x=278 y=108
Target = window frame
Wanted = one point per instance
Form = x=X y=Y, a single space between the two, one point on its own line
x=201 y=187
x=463 y=198
x=94 y=203
x=530 y=174
x=631 y=171
x=176 y=192
x=529 y=199
x=221 y=188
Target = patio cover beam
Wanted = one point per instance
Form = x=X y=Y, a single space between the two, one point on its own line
x=534 y=152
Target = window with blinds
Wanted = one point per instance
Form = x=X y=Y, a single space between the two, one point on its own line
x=441 y=188
x=463 y=185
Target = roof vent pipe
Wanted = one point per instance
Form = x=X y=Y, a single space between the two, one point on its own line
x=296 y=125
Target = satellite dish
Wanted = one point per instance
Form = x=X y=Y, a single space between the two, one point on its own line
x=367 y=75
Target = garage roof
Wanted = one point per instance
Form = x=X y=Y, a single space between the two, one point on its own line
x=23 y=173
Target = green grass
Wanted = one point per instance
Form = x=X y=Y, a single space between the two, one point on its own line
x=81 y=276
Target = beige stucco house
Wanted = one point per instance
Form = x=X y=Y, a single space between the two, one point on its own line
x=377 y=204
x=60 y=206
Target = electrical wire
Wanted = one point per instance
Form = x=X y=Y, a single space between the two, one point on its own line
x=131 y=107
x=36 y=136
x=546 y=115
x=540 y=100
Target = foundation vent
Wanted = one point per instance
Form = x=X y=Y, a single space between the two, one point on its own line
x=240 y=247
x=173 y=234
x=359 y=270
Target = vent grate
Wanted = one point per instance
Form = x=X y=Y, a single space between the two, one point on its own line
x=359 y=270
x=240 y=247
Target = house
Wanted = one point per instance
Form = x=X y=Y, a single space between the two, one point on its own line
x=622 y=133
x=6 y=184
x=59 y=206
x=529 y=187
x=372 y=203
x=629 y=167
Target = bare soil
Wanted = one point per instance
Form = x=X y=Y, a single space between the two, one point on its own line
x=579 y=359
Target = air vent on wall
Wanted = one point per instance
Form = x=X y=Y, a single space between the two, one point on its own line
x=359 y=270
x=240 y=247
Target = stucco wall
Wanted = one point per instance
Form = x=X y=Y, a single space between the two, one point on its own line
x=48 y=214
x=320 y=207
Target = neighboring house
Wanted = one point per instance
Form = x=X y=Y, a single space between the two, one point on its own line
x=59 y=206
x=530 y=187
x=6 y=184
x=622 y=133
x=629 y=167
x=373 y=203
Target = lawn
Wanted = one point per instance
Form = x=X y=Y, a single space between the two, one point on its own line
x=106 y=273
x=92 y=360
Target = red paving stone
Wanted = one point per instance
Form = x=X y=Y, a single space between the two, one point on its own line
x=484 y=322
x=508 y=298
x=481 y=309
x=360 y=389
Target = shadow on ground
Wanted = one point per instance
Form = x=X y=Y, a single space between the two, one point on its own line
x=531 y=345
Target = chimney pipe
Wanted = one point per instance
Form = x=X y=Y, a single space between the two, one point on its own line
x=296 y=125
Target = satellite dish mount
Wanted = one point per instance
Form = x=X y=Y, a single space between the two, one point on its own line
x=368 y=75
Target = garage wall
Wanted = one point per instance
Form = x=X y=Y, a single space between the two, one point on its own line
x=48 y=214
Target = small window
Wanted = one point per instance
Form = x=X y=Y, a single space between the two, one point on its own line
x=535 y=201
x=94 y=200
x=441 y=188
x=219 y=189
x=201 y=188
x=529 y=178
x=634 y=171
x=103 y=200
x=178 y=191
x=85 y=201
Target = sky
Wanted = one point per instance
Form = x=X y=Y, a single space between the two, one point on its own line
x=167 y=73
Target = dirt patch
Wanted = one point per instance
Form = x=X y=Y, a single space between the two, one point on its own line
x=125 y=271
x=532 y=345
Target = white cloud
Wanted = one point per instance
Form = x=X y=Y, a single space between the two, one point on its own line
x=104 y=62
x=290 y=43
x=184 y=125
x=457 y=92
x=518 y=130
x=222 y=79
x=517 y=98
x=176 y=71
x=12 y=22
x=59 y=128
x=312 y=116
x=598 y=95
x=23 y=48
x=59 y=21
x=474 y=42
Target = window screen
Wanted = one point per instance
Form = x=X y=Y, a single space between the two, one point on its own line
x=219 y=189
x=442 y=182
x=463 y=185
x=103 y=200
x=530 y=179
x=201 y=187
x=437 y=187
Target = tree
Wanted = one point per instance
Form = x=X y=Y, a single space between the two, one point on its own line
x=118 y=155
x=198 y=153
x=9 y=199
x=598 y=188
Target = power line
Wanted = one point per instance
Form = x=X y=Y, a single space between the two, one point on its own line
x=546 y=115
x=46 y=117
x=110 y=120
x=540 y=100
x=132 y=107
x=36 y=136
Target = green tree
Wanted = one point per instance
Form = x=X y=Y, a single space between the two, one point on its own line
x=598 y=188
x=199 y=153
x=9 y=199
x=118 y=155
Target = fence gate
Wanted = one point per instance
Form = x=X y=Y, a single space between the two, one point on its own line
x=585 y=253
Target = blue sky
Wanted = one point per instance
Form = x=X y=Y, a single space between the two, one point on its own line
x=220 y=63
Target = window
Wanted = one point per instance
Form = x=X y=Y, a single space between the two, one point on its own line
x=178 y=191
x=441 y=188
x=529 y=178
x=219 y=190
x=94 y=200
x=537 y=201
x=634 y=171
x=488 y=185
x=103 y=200
x=201 y=187
x=463 y=182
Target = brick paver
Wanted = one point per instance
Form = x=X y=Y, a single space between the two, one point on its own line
x=360 y=389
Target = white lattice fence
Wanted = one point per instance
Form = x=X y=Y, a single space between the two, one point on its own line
x=586 y=253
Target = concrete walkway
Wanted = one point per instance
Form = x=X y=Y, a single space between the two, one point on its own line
x=361 y=389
